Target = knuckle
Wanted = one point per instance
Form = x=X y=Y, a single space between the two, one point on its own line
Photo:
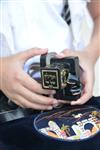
x=50 y=101
x=17 y=76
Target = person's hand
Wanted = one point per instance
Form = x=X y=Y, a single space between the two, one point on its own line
x=87 y=76
x=19 y=86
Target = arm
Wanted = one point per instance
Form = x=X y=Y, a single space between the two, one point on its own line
x=89 y=56
x=94 y=45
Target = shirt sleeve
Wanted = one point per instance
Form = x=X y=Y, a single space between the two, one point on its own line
x=6 y=34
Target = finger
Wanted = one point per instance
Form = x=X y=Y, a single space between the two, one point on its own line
x=32 y=84
x=30 y=53
x=35 y=98
x=82 y=100
x=18 y=103
x=12 y=97
x=88 y=90
x=69 y=52
x=61 y=54
x=24 y=103
x=66 y=53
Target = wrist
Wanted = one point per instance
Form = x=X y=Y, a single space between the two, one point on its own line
x=92 y=53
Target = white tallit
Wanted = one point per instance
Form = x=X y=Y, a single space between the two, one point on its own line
x=36 y=23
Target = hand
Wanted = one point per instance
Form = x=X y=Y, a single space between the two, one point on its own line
x=19 y=86
x=87 y=76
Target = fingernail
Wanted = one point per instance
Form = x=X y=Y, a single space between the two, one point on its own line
x=49 y=108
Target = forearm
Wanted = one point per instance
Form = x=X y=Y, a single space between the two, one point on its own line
x=2 y=68
x=93 y=48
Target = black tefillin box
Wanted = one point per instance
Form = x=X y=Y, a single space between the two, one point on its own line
x=62 y=75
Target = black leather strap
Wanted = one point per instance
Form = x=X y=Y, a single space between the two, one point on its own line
x=10 y=111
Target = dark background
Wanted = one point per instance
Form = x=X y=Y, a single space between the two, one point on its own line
x=20 y=135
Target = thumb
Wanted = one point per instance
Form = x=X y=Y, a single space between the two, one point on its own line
x=23 y=56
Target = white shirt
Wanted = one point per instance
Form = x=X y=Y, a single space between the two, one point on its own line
x=38 y=23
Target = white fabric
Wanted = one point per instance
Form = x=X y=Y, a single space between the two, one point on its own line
x=80 y=19
x=38 y=23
